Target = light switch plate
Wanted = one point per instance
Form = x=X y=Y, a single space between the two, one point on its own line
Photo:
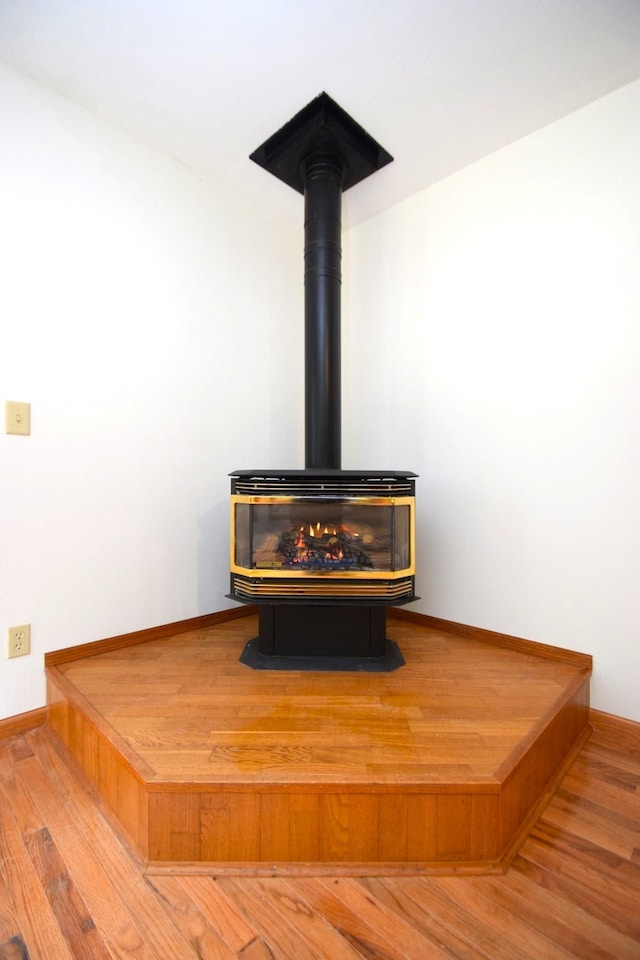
x=18 y=418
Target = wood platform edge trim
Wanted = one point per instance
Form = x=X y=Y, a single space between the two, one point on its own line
x=575 y=687
x=156 y=868
x=22 y=723
x=68 y=654
x=487 y=787
x=532 y=647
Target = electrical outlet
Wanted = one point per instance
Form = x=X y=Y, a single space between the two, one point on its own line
x=17 y=418
x=20 y=640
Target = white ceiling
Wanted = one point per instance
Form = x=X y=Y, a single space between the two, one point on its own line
x=439 y=83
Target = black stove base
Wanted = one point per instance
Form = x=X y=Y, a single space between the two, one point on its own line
x=390 y=660
x=322 y=630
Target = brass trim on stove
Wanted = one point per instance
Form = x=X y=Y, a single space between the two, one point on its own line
x=322 y=489
x=323 y=498
x=329 y=575
x=317 y=588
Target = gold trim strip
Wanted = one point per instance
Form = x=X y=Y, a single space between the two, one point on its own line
x=312 y=589
x=256 y=573
x=363 y=501
x=321 y=588
x=344 y=574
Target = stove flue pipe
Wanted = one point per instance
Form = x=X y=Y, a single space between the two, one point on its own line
x=321 y=152
x=322 y=284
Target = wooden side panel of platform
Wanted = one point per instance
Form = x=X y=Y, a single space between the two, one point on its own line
x=101 y=759
x=337 y=826
x=542 y=764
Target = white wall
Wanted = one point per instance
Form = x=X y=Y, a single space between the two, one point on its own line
x=145 y=316
x=492 y=338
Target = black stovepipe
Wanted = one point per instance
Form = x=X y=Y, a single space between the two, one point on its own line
x=322 y=284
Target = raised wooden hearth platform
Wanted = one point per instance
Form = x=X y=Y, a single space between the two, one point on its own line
x=440 y=766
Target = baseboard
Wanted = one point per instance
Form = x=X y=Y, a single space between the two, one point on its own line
x=620 y=729
x=67 y=654
x=22 y=722
x=531 y=647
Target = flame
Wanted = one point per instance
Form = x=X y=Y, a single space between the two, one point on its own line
x=316 y=530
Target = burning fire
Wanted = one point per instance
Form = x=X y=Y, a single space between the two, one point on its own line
x=315 y=531
x=318 y=547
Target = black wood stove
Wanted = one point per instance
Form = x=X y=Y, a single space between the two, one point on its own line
x=323 y=551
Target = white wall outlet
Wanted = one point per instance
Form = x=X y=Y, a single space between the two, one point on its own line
x=17 y=418
x=20 y=640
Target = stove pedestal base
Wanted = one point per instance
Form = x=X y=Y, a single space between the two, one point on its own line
x=391 y=660
x=322 y=630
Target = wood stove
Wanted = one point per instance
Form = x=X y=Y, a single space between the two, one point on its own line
x=322 y=550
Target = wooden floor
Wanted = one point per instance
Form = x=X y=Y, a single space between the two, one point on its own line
x=438 y=765
x=70 y=888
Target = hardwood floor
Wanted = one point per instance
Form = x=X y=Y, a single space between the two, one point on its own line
x=70 y=887
x=440 y=765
